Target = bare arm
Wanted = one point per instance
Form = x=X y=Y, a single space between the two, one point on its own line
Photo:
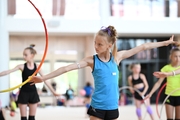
x=176 y=72
x=65 y=69
x=128 y=53
x=47 y=83
x=172 y=73
x=4 y=113
x=18 y=67
x=130 y=84
x=156 y=86
x=145 y=83
x=83 y=63
x=166 y=74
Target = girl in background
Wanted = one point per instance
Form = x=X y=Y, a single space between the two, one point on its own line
x=88 y=93
x=138 y=81
x=172 y=104
x=28 y=95
x=69 y=96
x=104 y=65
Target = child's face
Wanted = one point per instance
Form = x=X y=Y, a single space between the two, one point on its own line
x=175 y=57
x=27 y=55
x=101 y=44
x=136 y=68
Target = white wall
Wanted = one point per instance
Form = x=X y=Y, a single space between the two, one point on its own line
x=124 y=26
x=4 y=50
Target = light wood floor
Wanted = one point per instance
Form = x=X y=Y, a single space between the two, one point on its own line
x=78 y=113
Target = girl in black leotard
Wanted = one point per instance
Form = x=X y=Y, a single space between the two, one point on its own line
x=28 y=94
x=138 y=81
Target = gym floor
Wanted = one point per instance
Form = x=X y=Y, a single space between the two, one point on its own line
x=78 y=113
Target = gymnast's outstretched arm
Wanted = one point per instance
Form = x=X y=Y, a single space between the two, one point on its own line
x=88 y=61
x=6 y=72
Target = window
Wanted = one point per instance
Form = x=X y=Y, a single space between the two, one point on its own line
x=78 y=9
x=15 y=77
x=142 y=8
x=128 y=43
x=63 y=81
x=82 y=9
x=25 y=10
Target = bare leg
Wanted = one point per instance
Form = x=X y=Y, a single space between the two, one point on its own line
x=87 y=104
x=23 y=110
x=169 y=111
x=87 y=100
x=32 y=109
x=94 y=118
x=147 y=103
x=3 y=113
x=67 y=103
x=138 y=107
x=177 y=111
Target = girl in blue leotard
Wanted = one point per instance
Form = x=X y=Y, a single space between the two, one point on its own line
x=104 y=65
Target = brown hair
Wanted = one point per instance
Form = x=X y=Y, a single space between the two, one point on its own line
x=31 y=48
x=174 y=49
x=111 y=34
x=132 y=65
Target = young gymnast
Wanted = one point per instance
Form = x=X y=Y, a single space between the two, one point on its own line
x=88 y=93
x=69 y=96
x=173 y=102
x=138 y=81
x=104 y=65
x=28 y=95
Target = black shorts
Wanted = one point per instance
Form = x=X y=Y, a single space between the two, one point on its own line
x=137 y=96
x=103 y=114
x=173 y=100
x=1 y=115
x=28 y=97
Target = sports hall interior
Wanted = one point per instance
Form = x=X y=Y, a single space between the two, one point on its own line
x=71 y=26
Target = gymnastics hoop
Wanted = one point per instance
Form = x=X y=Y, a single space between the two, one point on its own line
x=166 y=99
x=129 y=87
x=43 y=58
x=157 y=99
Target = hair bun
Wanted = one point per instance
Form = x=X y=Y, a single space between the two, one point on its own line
x=113 y=31
x=32 y=45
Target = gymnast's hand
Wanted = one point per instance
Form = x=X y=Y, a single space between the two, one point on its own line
x=56 y=94
x=36 y=79
x=147 y=97
x=160 y=74
x=132 y=91
x=172 y=41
